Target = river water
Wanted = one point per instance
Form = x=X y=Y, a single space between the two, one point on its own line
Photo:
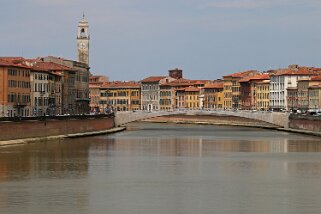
x=165 y=168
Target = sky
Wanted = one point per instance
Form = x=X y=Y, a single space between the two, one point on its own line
x=134 y=39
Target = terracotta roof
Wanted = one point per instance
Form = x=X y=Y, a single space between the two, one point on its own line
x=298 y=71
x=187 y=82
x=13 y=62
x=181 y=82
x=192 y=89
x=120 y=84
x=214 y=85
x=316 y=78
x=49 y=66
x=241 y=74
x=153 y=79
x=264 y=76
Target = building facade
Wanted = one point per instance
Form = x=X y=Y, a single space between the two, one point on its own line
x=119 y=96
x=315 y=97
x=262 y=102
x=232 y=92
x=286 y=78
x=14 y=88
x=150 y=92
x=214 y=96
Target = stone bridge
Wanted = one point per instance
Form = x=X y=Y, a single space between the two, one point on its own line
x=124 y=117
x=280 y=119
x=277 y=118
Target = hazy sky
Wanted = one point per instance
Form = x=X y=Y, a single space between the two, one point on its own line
x=133 y=39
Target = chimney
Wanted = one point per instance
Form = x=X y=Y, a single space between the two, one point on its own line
x=176 y=73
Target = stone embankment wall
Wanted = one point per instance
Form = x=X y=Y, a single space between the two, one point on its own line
x=11 y=130
x=277 y=118
x=122 y=118
x=310 y=123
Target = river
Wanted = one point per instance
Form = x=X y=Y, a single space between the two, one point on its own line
x=165 y=168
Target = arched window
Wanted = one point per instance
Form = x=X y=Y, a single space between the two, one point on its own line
x=82 y=32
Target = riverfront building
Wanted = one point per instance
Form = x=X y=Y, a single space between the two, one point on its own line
x=14 y=87
x=46 y=88
x=262 y=91
x=150 y=92
x=315 y=97
x=248 y=88
x=283 y=79
x=94 y=96
x=213 y=95
x=193 y=99
x=120 y=96
x=232 y=92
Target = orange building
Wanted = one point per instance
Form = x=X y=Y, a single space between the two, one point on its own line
x=232 y=99
x=178 y=98
x=14 y=88
x=248 y=88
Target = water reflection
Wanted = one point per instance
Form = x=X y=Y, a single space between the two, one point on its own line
x=54 y=159
x=158 y=168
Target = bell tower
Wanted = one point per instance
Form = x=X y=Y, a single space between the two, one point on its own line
x=83 y=41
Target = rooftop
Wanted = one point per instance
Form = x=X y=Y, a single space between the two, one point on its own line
x=49 y=66
x=264 y=76
x=299 y=71
x=218 y=85
x=241 y=74
x=192 y=89
x=153 y=79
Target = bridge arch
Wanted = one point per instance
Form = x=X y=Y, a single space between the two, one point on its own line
x=276 y=118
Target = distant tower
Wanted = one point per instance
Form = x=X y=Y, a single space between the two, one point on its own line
x=83 y=41
x=176 y=73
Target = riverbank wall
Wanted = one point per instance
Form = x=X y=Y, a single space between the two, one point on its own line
x=25 y=128
x=305 y=122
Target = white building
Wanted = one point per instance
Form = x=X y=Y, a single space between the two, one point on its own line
x=150 y=92
x=286 y=78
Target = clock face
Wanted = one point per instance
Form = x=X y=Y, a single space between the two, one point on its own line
x=82 y=45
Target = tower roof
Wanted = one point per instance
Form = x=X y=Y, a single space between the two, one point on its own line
x=83 y=21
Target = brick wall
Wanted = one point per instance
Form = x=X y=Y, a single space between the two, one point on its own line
x=52 y=127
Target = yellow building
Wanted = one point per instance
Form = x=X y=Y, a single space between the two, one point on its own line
x=262 y=97
x=214 y=96
x=192 y=97
x=166 y=97
x=120 y=96
x=178 y=93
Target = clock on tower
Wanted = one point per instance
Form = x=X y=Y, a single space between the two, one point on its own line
x=83 y=41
